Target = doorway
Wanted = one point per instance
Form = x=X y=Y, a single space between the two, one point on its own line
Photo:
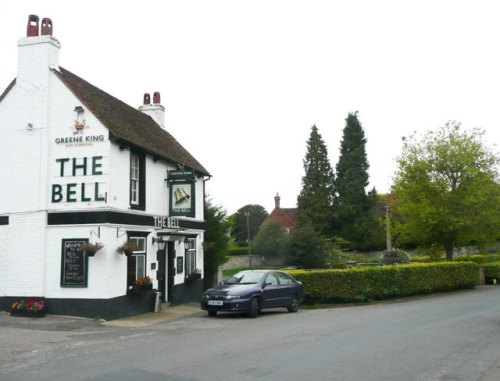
x=161 y=272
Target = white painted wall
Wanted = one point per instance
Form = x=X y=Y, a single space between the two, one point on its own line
x=36 y=113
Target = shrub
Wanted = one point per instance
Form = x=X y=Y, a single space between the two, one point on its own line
x=478 y=258
x=366 y=283
x=491 y=271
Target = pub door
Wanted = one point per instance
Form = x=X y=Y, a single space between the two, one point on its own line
x=161 y=272
x=171 y=270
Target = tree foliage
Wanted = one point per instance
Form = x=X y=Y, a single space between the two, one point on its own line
x=447 y=189
x=271 y=240
x=216 y=240
x=354 y=221
x=315 y=201
x=308 y=249
x=239 y=229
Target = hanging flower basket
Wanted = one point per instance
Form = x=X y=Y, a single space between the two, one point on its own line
x=28 y=308
x=127 y=248
x=91 y=248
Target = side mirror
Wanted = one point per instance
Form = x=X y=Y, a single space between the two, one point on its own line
x=266 y=284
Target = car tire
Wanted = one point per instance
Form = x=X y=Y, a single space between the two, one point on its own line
x=294 y=304
x=212 y=313
x=254 y=308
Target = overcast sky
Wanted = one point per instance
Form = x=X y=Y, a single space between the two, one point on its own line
x=244 y=81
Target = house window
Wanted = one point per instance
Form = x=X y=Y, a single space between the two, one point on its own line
x=137 y=181
x=190 y=255
x=136 y=263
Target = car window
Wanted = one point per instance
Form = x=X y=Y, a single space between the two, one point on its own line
x=285 y=279
x=271 y=278
x=248 y=277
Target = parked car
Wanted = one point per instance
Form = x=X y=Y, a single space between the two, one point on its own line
x=251 y=291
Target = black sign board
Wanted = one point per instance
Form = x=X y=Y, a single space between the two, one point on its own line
x=73 y=263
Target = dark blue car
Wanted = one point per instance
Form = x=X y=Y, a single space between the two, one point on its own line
x=252 y=291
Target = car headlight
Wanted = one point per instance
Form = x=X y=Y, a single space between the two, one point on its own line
x=231 y=297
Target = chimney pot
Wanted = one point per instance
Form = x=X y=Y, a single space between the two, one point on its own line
x=277 y=201
x=47 y=27
x=32 y=29
x=156 y=98
x=147 y=99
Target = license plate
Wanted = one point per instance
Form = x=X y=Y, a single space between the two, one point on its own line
x=215 y=302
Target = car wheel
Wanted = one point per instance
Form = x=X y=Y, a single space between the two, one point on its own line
x=212 y=313
x=294 y=304
x=254 y=308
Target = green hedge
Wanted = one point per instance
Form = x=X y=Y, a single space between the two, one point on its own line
x=242 y=250
x=367 y=283
x=491 y=271
x=479 y=258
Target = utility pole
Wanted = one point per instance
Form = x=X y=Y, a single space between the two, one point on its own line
x=248 y=239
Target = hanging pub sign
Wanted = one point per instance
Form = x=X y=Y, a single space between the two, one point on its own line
x=181 y=194
x=73 y=263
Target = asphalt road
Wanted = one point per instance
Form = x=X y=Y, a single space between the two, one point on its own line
x=449 y=336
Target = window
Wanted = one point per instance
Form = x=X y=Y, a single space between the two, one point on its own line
x=271 y=278
x=285 y=280
x=136 y=263
x=190 y=255
x=137 y=181
x=134 y=179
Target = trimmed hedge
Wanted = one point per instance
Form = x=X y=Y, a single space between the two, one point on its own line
x=243 y=250
x=478 y=258
x=367 y=283
x=491 y=271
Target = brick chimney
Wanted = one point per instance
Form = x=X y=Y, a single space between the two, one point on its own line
x=38 y=52
x=155 y=110
x=277 y=201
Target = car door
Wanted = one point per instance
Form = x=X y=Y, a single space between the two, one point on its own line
x=287 y=288
x=271 y=291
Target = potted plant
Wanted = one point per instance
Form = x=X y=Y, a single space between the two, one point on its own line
x=29 y=308
x=91 y=248
x=142 y=284
x=195 y=274
x=127 y=248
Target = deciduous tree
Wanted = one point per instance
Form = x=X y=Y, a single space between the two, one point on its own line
x=239 y=230
x=216 y=240
x=447 y=189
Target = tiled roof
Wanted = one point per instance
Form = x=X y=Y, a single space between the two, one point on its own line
x=128 y=125
x=287 y=217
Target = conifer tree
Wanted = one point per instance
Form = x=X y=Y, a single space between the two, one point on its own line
x=354 y=203
x=315 y=201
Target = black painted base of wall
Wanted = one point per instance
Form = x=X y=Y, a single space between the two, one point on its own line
x=109 y=309
x=185 y=293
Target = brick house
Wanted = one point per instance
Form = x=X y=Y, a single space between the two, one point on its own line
x=287 y=217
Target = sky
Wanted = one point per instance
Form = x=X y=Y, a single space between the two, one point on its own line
x=243 y=81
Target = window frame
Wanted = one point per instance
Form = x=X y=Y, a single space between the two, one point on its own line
x=138 y=258
x=190 y=256
x=137 y=180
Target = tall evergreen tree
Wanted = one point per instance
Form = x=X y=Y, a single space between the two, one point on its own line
x=354 y=203
x=315 y=201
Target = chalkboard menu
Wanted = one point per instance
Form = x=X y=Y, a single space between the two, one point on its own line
x=74 y=263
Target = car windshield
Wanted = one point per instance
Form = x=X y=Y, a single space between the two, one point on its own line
x=249 y=277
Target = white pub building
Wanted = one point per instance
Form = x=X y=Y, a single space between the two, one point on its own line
x=95 y=197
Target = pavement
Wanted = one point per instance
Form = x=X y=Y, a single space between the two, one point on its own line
x=150 y=318
x=74 y=323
